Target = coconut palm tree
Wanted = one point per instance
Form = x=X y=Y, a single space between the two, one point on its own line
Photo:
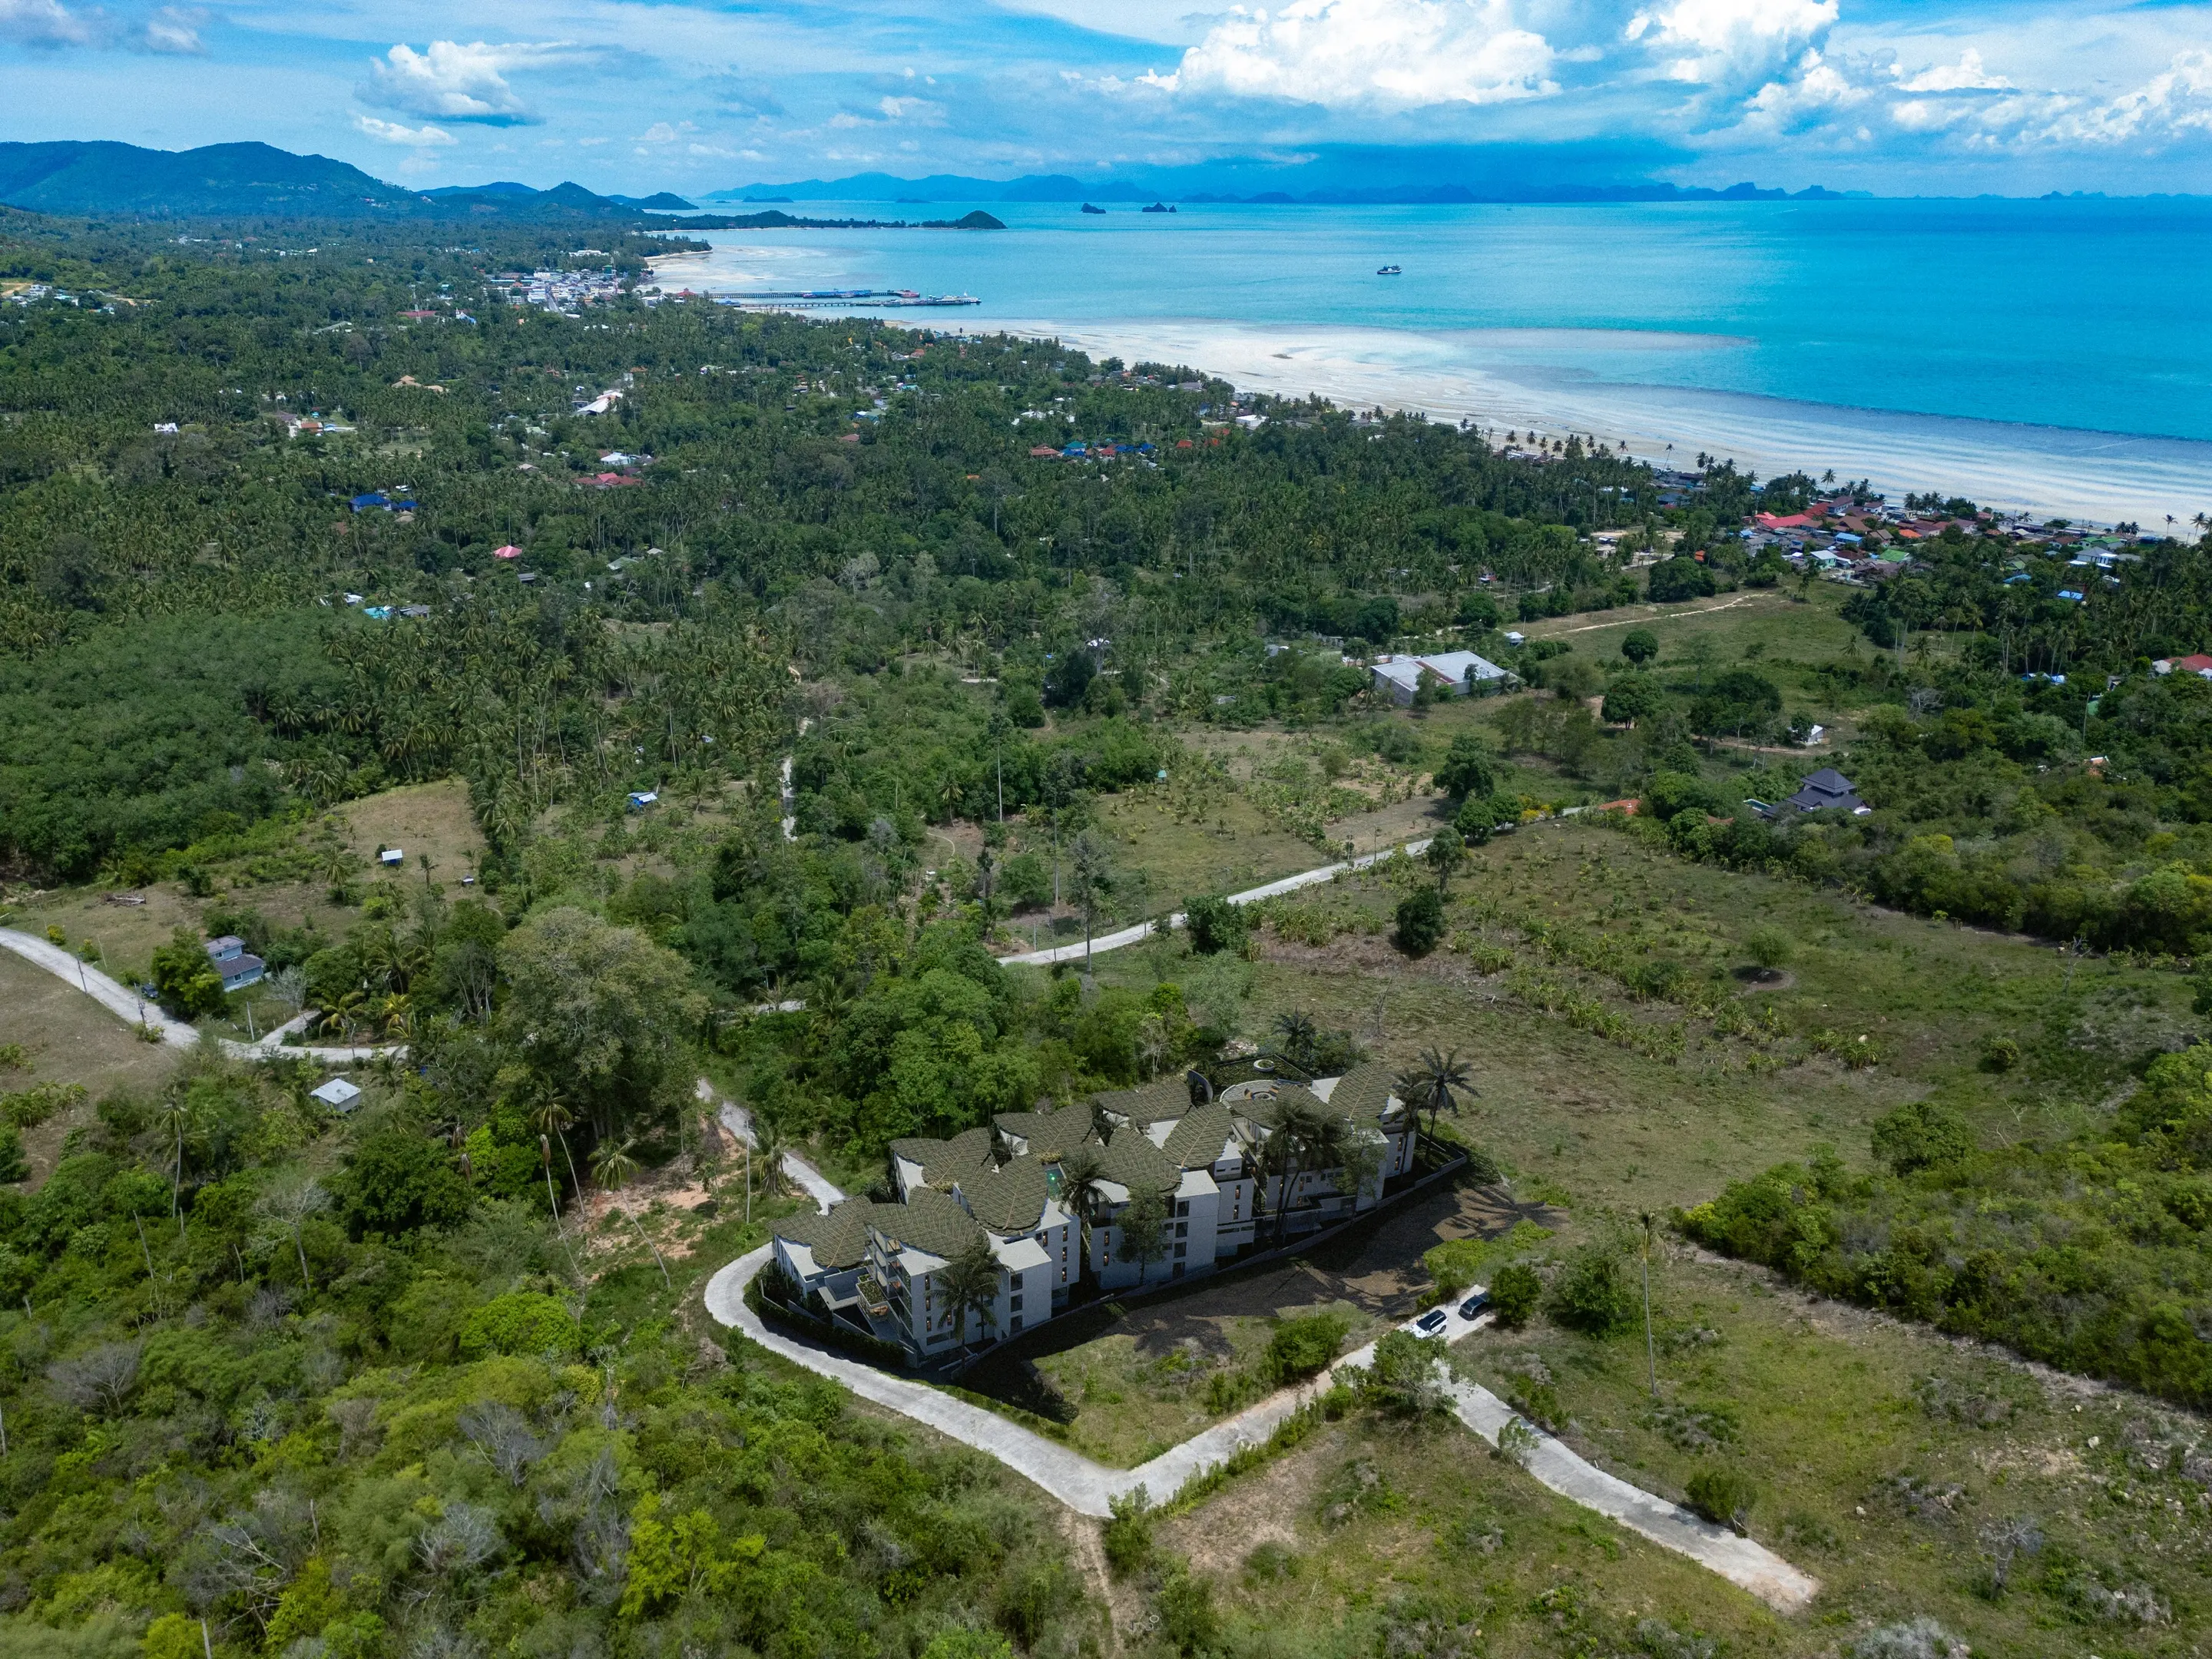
x=1305 y=1135
x=970 y=1283
x=550 y=1115
x=769 y=1145
x=1431 y=1084
x=612 y=1165
x=1300 y=1039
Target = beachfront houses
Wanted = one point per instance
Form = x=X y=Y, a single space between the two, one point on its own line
x=1130 y=1188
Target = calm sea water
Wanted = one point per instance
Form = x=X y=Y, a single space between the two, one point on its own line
x=2056 y=356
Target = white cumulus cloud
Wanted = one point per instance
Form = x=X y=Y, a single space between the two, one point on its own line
x=42 y=23
x=1400 y=54
x=458 y=83
x=391 y=132
x=1731 y=42
x=1967 y=75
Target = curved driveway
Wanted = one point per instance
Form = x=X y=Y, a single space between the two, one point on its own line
x=1088 y=1487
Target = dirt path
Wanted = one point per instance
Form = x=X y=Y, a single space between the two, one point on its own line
x=1650 y=613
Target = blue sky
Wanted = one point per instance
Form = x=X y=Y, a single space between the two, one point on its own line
x=1930 y=97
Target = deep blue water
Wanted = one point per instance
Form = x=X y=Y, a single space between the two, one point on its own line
x=2077 y=317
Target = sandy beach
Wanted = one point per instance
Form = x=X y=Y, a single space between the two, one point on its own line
x=1612 y=384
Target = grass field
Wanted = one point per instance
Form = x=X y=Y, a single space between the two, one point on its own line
x=1610 y=1106
x=69 y=1038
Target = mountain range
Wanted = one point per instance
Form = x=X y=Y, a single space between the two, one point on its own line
x=226 y=180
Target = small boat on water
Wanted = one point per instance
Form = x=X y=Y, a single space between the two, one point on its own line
x=1389 y=270
x=1087 y=208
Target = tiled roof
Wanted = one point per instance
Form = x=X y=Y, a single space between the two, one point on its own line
x=838 y=1239
x=1131 y=1161
x=1196 y=1142
x=929 y=1220
x=1048 y=1134
x=1363 y=1093
x=1162 y=1097
x=1009 y=1198
x=943 y=1163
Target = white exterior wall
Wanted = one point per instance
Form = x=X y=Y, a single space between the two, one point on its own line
x=1192 y=1230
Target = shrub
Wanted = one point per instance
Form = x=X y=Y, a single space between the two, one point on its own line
x=522 y=1322
x=1128 y=1532
x=1216 y=926
x=1187 y=1616
x=1420 y=922
x=1922 y=1135
x=1593 y=1295
x=184 y=978
x=1674 y=792
x=1303 y=1344
x=1999 y=1053
x=1481 y=817
x=1769 y=947
x=1639 y=646
x=1514 y=1290
x=1723 y=1495
x=14 y=1166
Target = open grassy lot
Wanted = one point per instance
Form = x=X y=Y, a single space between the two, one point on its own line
x=69 y=1038
x=1628 y=1061
x=1381 y=1537
x=2030 y=1513
x=422 y=819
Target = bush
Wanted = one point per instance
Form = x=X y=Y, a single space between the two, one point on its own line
x=1128 y=1533
x=1480 y=819
x=1514 y=1290
x=1303 y=1344
x=14 y=1166
x=184 y=978
x=1593 y=1295
x=1187 y=1616
x=521 y=1322
x=1923 y=1134
x=1999 y=1053
x=1470 y=770
x=1672 y=793
x=1640 y=646
x=1722 y=1496
x=1216 y=926
x=1769 y=947
x=1420 y=922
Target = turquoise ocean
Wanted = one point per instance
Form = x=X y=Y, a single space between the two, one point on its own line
x=2052 y=356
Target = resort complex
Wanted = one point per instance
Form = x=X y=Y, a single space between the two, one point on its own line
x=998 y=1229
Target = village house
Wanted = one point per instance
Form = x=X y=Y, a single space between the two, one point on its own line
x=1455 y=673
x=238 y=966
x=1048 y=1195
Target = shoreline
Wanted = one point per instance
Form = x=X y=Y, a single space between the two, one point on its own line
x=2045 y=471
x=1555 y=382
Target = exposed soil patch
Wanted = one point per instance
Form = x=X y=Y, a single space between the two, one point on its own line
x=1263 y=1508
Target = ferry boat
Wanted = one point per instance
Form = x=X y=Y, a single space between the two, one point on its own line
x=1389 y=270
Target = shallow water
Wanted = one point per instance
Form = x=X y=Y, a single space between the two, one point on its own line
x=2049 y=355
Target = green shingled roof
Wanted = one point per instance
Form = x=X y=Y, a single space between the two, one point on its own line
x=1365 y=1092
x=1008 y=1198
x=1131 y=1161
x=837 y=1240
x=1196 y=1142
x=1048 y=1134
x=947 y=1163
x=929 y=1220
x=1162 y=1097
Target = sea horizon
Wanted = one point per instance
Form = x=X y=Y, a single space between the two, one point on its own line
x=2042 y=357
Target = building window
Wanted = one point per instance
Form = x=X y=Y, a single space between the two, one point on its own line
x=1183 y=1208
x=1183 y=1229
x=1018 y=1304
x=1017 y=1322
x=1181 y=1248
